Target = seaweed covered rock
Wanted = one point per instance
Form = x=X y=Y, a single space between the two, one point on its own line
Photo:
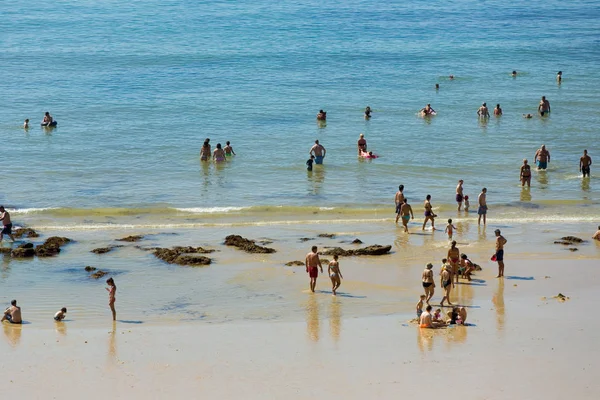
x=25 y=232
x=51 y=246
x=103 y=250
x=326 y=235
x=184 y=255
x=23 y=251
x=132 y=238
x=357 y=241
x=294 y=264
x=98 y=274
x=569 y=240
x=375 y=250
x=249 y=246
x=90 y=269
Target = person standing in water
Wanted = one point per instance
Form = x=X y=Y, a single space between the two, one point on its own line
x=219 y=154
x=525 y=174
x=482 y=210
x=318 y=151
x=559 y=77
x=6 y=223
x=584 y=164
x=228 y=149
x=497 y=111
x=459 y=194
x=542 y=158
x=399 y=199
x=321 y=116
x=312 y=263
x=544 y=106
x=368 y=113
x=112 y=291
x=205 y=151
x=483 y=111
x=406 y=213
x=362 y=144
x=429 y=215
x=333 y=269
x=500 y=242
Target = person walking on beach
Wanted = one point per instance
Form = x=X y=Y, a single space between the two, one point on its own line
x=406 y=213
x=482 y=210
x=459 y=194
x=584 y=164
x=112 y=291
x=429 y=215
x=318 y=151
x=12 y=314
x=6 y=223
x=428 y=282
x=446 y=282
x=544 y=107
x=454 y=259
x=525 y=174
x=312 y=262
x=483 y=111
x=333 y=269
x=500 y=242
x=362 y=144
x=399 y=200
x=542 y=157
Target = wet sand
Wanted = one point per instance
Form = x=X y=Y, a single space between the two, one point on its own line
x=520 y=346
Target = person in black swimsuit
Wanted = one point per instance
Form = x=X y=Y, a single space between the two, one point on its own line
x=428 y=283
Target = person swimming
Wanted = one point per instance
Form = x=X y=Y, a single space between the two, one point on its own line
x=427 y=111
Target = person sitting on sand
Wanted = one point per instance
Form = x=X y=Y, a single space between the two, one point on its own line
x=428 y=282
x=427 y=110
x=219 y=153
x=60 y=314
x=333 y=269
x=437 y=317
x=361 y=144
x=420 y=306
x=12 y=314
x=458 y=316
x=597 y=234
x=497 y=111
x=426 y=320
x=321 y=116
x=368 y=112
x=228 y=149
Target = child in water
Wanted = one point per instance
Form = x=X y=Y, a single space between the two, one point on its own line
x=333 y=269
x=61 y=314
x=467 y=203
x=450 y=229
x=420 y=306
x=228 y=150
x=310 y=162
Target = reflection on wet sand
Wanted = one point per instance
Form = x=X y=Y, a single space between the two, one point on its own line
x=425 y=339
x=13 y=333
x=456 y=334
x=335 y=314
x=312 y=318
x=60 y=328
x=481 y=231
x=498 y=301
x=112 y=344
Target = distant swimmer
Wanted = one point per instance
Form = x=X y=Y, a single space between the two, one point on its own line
x=309 y=163
x=542 y=158
x=205 y=152
x=525 y=175
x=406 y=213
x=228 y=149
x=219 y=153
x=48 y=121
x=112 y=291
x=497 y=111
x=12 y=314
x=368 y=112
x=60 y=314
x=318 y=151
x=429 y=215
x=514 y=74
x=6 y=223
x=399 y=200
x=451 y=77
x=333 y=269
x=437 y=86
x=370 y=154
x=559 y=77
x=483 y=111
x=321 y=116
x=312 y=263
x=427 y=111
x=362 y=144
x=597 y=234
x=428 y=282
x=584 y=164
x=459 y=194
x=544 y=106
x=26 y=124
x=499 y=256
x=482 y=210
x=527 y=116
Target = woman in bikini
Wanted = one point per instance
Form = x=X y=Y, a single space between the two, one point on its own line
x=428 y=283
x=333 y=269
x=429 y=215
x=454 y=258
x=219 y=153
x=205 y=152
x=525 y=174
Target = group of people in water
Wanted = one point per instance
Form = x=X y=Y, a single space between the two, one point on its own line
x=219 y=154
x=47 y=122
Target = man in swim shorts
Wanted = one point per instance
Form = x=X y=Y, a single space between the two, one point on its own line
x=399 y=199
x=500 y=242
x=584 y=164
x=544 y=107
x=312 y=263
x=482 y=210
x=12 y=314
x=459 y=194
x=542 y=157
x=318 y=151
x=483 y=111
x=425 y=319
x=597 y=234
x=7 y=224
x=406 y=213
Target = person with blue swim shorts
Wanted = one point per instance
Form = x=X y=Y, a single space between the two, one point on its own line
x=318 y=151
x=542 y=158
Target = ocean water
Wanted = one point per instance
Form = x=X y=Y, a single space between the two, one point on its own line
x=137 y=87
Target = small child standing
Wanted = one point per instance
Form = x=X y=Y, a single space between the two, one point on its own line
x=450 y=228
x=60 y=315
x=467 y=203
x=112 y=291
x=310 y=162
x=420 y=306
